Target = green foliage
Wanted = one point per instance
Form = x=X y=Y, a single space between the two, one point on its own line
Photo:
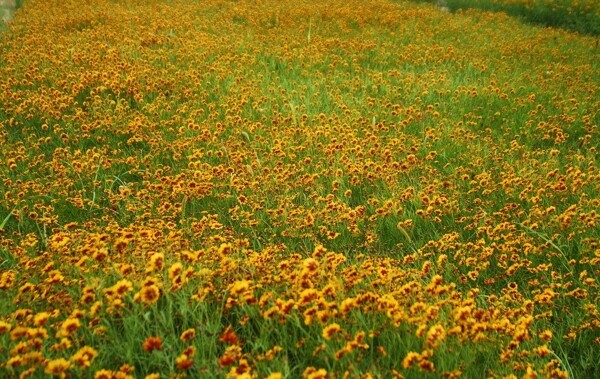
x=578 y=16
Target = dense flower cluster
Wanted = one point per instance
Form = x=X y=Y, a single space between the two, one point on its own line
x=284 y=189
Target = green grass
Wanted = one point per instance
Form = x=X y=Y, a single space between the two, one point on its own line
x=578 y=16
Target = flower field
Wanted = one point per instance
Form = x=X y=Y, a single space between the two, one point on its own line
x=307 y=189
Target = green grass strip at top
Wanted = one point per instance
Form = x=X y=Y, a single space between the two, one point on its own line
x=578 y=16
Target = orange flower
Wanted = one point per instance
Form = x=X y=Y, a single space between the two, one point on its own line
x=226 y=360
x=229 y=336
x=188 y=335
x=184 y=362
x=426 y=365
x=152 y=343
x=232 y=353
x=190 y=351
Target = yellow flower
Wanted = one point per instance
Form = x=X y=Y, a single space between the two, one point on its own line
x=542 y=351
x=149 y=294
x=7 y=279
x=306 y=296
x=156 y=262
x=426 y=365
x=190 y=351
x=122 y=287
x=270 y=354
x=239 y=286
x=313 y=373
x=14 y=362
x=84 y=356
x=68 y=327
x=546 y=335
x=184 y=362
x=188 y=335
x=175 y=270
x=225 y=249
x=57 y=367
x=5 y=327
x=27 y=288
x=104 y=374
x=330 y=330
x=435 y=334
x=310 y=265
x=410 y=359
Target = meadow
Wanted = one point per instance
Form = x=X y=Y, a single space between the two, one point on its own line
x=277 y=189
